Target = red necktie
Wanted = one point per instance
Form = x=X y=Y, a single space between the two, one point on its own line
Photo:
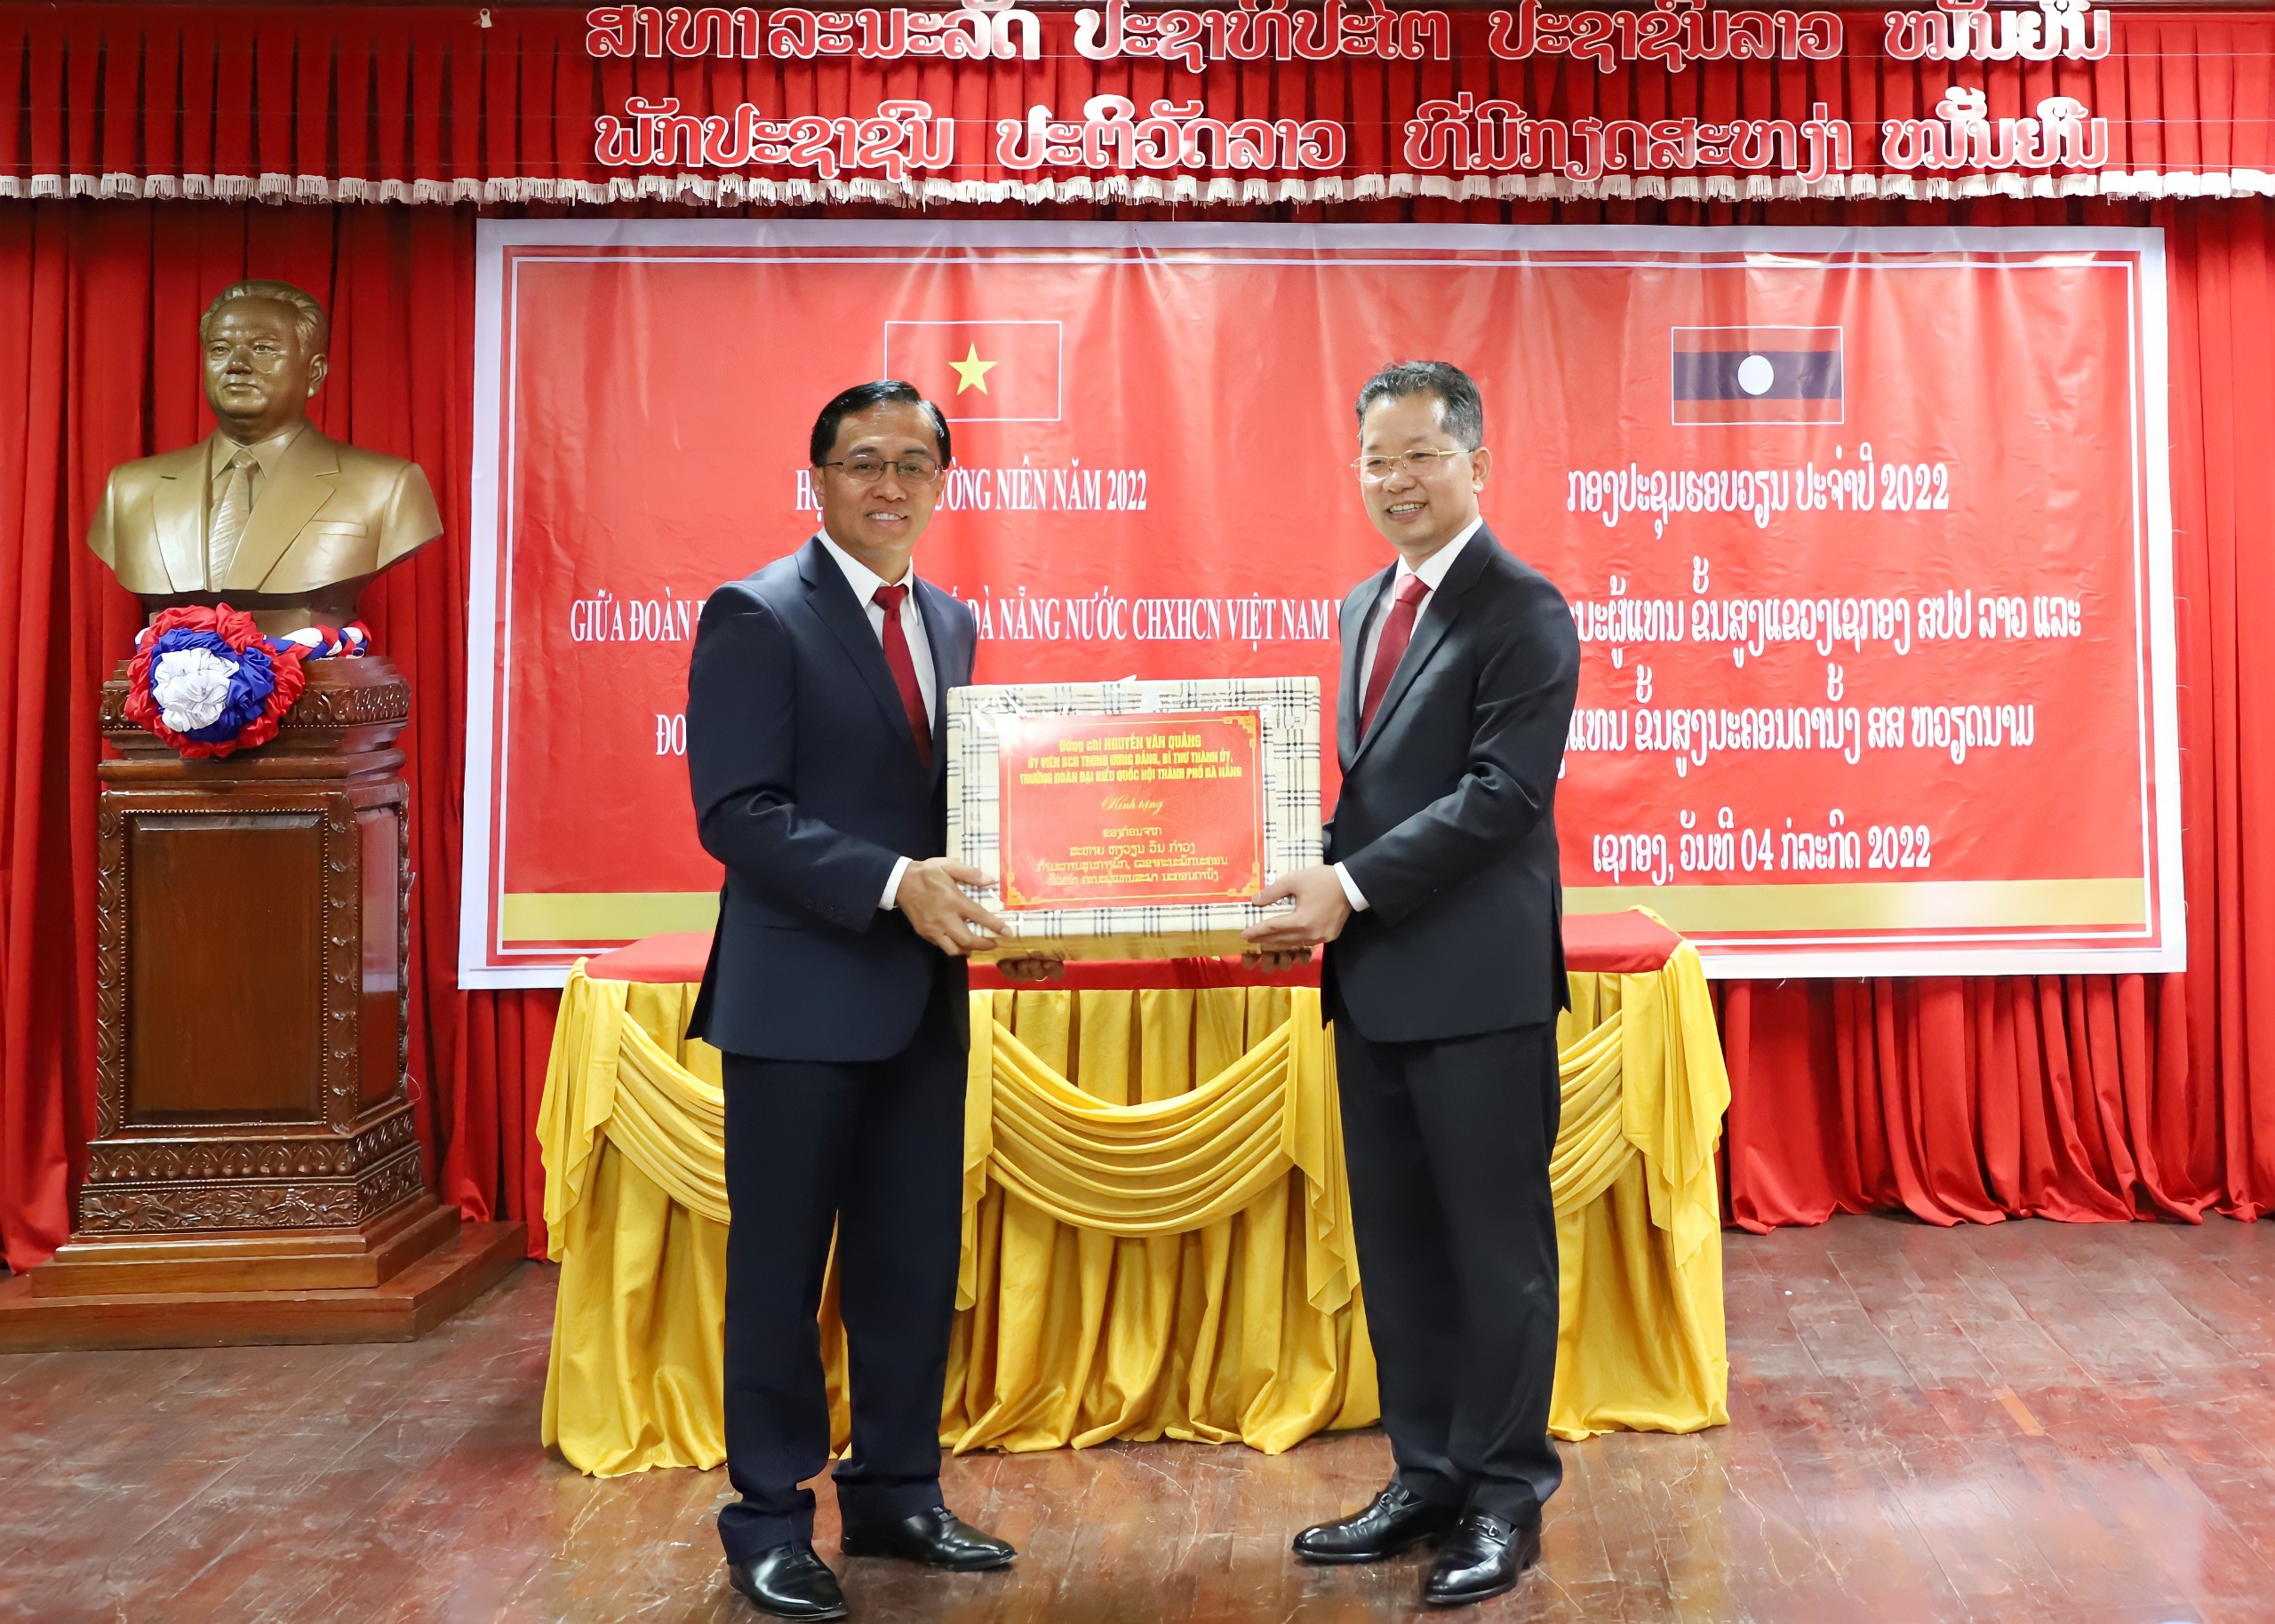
x=904 y=670
x=1397 y=630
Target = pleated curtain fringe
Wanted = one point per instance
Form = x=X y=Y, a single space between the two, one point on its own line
x=1180 y=1267
x=735 y=191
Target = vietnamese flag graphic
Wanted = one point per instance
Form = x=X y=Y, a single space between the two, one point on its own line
x=981 y=371
x=1756 y=374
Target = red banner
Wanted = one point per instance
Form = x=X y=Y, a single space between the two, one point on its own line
x=1864 y=533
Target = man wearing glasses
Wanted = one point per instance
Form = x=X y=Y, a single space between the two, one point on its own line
x=836 y=996
x=1440 y=909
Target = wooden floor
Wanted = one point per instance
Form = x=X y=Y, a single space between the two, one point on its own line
x=2028 y=1422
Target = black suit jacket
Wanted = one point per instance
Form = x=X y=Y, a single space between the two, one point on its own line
x=1447 y=819
x=808 y=787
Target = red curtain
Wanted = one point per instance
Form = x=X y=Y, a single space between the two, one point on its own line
x=98 y=304
x=2079 y=1097
x=1968 y=1101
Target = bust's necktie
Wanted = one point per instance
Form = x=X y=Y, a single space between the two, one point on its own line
x=904 y=670
x=1397 y=630
x=231 y=511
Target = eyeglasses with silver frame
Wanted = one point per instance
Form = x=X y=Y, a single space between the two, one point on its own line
x=1421 y=465
x=869 y=470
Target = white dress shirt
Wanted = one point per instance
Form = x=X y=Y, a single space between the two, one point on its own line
x=865 y=582
x=1431 y=574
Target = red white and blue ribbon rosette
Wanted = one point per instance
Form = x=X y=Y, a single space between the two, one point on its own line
x=210 y=683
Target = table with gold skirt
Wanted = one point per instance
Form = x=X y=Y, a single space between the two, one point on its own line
x=1157 y=1236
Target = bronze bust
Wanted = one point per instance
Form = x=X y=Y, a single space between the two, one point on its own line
x=267 y=514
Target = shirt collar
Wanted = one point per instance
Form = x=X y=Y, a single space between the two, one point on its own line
x=864 y=580
x=267 y=452
x=1434 y=566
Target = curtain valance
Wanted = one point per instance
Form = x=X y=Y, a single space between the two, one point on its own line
x=1266 y=103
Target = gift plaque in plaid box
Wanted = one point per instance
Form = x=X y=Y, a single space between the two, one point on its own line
x=1133 y=820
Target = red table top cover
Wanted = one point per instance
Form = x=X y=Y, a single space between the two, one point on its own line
x=1631 y=943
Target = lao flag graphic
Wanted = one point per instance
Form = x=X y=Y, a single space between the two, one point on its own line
x=1756 y=374
x=981 y=371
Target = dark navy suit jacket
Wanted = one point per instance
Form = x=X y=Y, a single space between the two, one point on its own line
x=1447 y=818
x=808 y=788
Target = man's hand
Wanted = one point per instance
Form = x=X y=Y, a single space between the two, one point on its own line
x=943 y=915
x=1320 y=912
x=1272 y=963
x=1034 y=967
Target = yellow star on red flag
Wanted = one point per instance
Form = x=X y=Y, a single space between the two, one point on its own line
x=985 y=369
x=971 y=372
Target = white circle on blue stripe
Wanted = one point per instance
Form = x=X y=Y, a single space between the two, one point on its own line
x=1756 y=374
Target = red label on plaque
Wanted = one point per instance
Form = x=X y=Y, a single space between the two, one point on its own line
x=1116 y=809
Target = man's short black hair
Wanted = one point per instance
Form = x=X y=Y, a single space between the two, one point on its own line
x=861 y=397
x=1461 y=411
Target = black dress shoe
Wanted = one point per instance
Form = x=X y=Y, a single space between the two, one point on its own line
x=938 y=1538
x=1483 y=1556
x=1398 y=1520
x=790 y=1582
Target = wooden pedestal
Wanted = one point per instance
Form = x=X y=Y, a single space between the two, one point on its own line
x=254 y=1173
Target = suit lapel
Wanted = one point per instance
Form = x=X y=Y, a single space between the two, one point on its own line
x=951 y=664
x=289 y=499
x=833 y=602
x=178 y=505
x=1430 y=631
x=1364 y=597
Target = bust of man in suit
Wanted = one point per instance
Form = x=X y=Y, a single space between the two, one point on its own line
x=268 y=513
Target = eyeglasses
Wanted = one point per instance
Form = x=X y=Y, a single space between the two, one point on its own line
x=1421 y=465
x=869 y=470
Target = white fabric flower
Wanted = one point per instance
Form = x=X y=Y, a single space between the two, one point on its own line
x=191 y=687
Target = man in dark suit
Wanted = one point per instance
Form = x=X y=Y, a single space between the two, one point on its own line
x=1440 y=906
x=837 y=994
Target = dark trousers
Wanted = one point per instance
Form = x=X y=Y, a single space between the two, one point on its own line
x=1447 y=1144
x=876 y=1148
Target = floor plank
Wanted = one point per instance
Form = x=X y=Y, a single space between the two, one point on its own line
x=2021 y=1422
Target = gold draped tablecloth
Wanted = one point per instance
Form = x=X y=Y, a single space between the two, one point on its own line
x=1156 y=1233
